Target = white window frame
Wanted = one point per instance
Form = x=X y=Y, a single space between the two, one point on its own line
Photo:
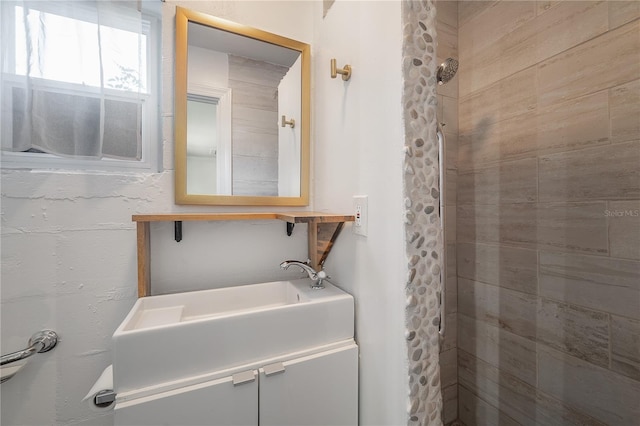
x=151 y=141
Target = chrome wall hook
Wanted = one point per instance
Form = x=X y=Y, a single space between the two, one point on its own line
x=344 y=71
x=286 y=122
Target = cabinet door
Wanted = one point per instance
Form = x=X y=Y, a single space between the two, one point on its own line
x=218 y=402
x=320 y=390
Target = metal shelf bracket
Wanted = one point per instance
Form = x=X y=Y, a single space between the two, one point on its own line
x=177 y=230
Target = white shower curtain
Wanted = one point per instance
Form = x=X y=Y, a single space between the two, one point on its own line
x=74 y=76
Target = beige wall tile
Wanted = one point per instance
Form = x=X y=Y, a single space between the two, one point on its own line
x=475 y=411
x=447 y=12
x=602 y=283
x=603 y=62
x=468 y=10
x=447 y=41
x=450 y=115
x=496 y=20
x=507 y=309
x=600 y=173
x=545 y=5
x=451 y=224
x=509 y=97
x=510 y=182
x=625 y=346
x=578 y=331
x=570 y=125
x=475 y=71
x=570 y=23
x=451 y=332
x=550 y=410
x=451 y=301
x=508 y=267
x=517 y=399
x=621 y=12
x=603 y=394
x=451 y=147
x=574 y=227
x=479 y=223
x=500 y=348
x=551 y=87
x=475 y=40
x=449 y=404
x=451 y=260
x=499 y=389
x=624 y=102
x=624 y=229
x=448 y=368
x=451 y=186
x=567 y=25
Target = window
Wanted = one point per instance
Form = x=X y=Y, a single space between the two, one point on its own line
x=80 y=84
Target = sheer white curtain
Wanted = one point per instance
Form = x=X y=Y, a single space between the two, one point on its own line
x=74 y=76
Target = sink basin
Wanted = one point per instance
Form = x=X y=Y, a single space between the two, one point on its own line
x=175 y=336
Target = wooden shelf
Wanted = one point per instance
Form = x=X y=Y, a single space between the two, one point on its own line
x=322 y=231
x=293 y=217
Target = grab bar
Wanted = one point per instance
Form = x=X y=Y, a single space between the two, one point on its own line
x=42 y=341
x=443 y=191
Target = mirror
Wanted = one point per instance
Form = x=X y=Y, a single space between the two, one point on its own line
x=242 y=114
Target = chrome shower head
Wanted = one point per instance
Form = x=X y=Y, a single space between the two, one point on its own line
x=447 y=70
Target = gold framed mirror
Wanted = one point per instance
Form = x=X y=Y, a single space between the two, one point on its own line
x=242 y=114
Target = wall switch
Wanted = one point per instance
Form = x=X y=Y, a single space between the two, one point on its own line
x=361 y=212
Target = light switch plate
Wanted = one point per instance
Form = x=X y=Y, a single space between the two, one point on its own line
x=361 y=212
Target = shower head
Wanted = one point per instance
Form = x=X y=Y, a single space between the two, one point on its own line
x=447 y=70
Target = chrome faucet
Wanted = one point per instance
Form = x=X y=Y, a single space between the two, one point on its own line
x=316 y=276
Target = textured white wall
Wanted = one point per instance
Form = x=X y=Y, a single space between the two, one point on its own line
x=68 y=243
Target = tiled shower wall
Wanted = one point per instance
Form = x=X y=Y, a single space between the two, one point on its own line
x=255 y=135
x=447 y=47
x=548 y=213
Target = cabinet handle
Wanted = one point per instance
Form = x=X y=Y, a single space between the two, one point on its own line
x=271 y=369
x=244 y=377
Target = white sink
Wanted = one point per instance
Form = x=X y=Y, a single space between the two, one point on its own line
x=176 y=336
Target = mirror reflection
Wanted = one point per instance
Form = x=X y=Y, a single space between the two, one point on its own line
x=246 y=131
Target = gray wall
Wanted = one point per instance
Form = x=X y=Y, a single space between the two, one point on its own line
x=548 y=205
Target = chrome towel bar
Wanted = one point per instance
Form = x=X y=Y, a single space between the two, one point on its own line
x=42 y=341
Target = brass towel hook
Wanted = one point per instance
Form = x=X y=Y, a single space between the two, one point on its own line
x=345 y=71
x=286 y=122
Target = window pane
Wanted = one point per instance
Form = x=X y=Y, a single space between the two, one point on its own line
x=122 y=138
x=69 y=125
x=67 y=50
x=60 y=123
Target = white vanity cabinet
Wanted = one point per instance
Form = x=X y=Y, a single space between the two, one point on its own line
x=318 y=389
x=216 y=402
